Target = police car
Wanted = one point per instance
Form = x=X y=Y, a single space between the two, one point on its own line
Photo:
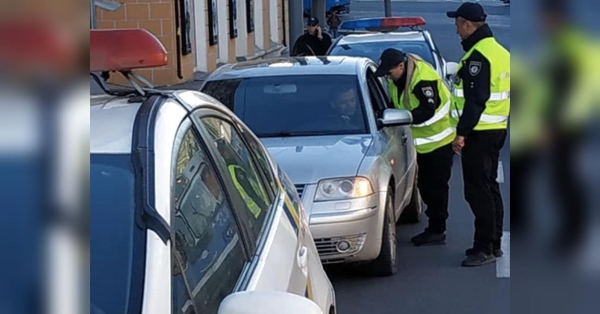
x=188 y=211
x=371 y=36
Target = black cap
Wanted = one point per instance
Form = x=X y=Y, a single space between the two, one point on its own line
x=388 y=60
x=469 y=11
x=313 y=21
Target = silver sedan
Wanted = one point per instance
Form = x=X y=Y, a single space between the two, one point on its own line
x=327 y=123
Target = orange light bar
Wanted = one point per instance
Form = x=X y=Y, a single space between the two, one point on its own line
x=125 y=49
x=36 y=44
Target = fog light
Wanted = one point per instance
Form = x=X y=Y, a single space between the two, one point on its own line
x=343 y=246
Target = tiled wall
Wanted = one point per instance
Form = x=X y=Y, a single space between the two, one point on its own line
x=158 y=17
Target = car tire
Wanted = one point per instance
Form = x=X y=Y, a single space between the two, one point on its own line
x=412 y=213
x=386 y=263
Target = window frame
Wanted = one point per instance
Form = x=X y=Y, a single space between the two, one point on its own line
x=237 y=202
x=186 y=125
x=377 y=92
x=246 y=133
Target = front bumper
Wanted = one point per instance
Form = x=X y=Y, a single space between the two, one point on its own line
x=348 y=230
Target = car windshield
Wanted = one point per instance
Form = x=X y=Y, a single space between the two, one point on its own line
x=116 y=243
x=373 y=50
x=294 y=105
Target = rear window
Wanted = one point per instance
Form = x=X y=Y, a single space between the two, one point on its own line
x=373 y=50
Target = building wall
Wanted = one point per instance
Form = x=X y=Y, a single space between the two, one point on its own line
x=159 y=17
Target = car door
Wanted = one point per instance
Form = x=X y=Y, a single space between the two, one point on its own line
x=279 y=254
x=318 y=287
x=398 y=139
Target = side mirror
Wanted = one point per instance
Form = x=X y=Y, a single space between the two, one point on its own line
x=395 y=117
x=451 y=68
x=267 y=302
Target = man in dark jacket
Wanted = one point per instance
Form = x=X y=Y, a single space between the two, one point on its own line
x=314 y=42
x=481 y=107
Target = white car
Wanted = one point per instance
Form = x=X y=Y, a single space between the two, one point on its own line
x=188 y=211
x=371 y=36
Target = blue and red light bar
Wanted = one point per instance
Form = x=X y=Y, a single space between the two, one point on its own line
x=125 y=50
x=383 y=23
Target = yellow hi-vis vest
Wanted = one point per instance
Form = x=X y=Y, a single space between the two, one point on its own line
x=581 y=103
x=497 y=108
x=437 y=131
x=250 y=203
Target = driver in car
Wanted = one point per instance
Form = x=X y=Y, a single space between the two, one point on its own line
x=345 y=104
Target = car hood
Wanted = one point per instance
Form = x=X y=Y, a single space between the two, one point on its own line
x=307 y=160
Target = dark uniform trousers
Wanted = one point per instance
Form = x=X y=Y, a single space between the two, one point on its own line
x=435 y=169
x=480 y=157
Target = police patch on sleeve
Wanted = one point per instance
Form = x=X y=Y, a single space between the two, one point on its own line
x=427 y=91
x=474 y=67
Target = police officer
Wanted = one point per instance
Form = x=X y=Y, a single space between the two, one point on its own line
x=414 y=85
x=569 y=79
x=480 y=109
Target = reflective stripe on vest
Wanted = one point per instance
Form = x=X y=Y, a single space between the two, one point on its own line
x=493 y=96
x=484 y=117
x=250 y=203
x=437 y=117
x=435 y=138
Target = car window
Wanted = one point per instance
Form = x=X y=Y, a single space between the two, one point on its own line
x=223 y=91
x=298 y=105
x=376 y=101
x=262 y=159
x=208 y=255
x=382 y=86
x=241 y=169
x=374 y=50
x=375 y=89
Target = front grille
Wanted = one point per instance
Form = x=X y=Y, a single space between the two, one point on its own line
x=300 y=190
x=327 y=246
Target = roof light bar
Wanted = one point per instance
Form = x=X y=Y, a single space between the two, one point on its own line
x=383 y=24
x=125 y=50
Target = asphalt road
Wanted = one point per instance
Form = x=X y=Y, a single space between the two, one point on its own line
x=430 y=279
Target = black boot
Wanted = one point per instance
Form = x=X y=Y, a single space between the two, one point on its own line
x=478 y=259
x=429 y=238
x=472 y=251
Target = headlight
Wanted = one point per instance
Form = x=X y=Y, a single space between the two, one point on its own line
x=343 y=188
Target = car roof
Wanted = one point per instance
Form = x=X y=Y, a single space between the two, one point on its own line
x=112 y=118
x=352 y=38
x=284 y=66
x=111 y=124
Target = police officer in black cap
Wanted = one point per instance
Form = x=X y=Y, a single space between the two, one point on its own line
x=314 y=42
x=416 y=86
x=480 y=109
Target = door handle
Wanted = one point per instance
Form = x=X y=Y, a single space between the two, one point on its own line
x=404 y=138
x=302 y=259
